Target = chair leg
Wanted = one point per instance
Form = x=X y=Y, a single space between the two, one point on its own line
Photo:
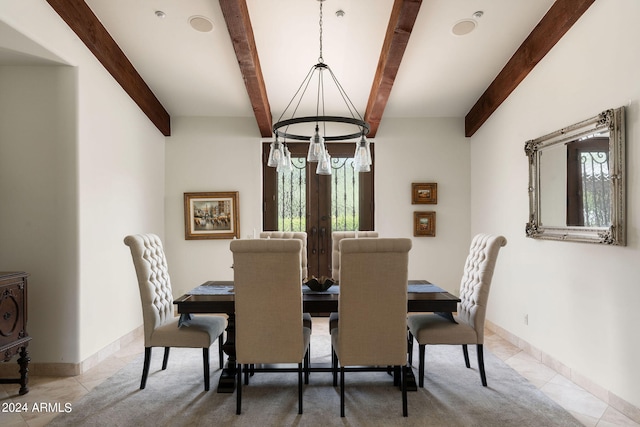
x=307 y=362
x=342 y=391
x=220 y=353
x=145 y=367
x=421 y=365
x=334 y=367
x=205 y=362
x=405 y=411
x=300 y=388
x=483 y=377
x=238 y=389
x=465 y=351
x=165 y=359
x=397 y=381
x=410 y=348
x=247 y=371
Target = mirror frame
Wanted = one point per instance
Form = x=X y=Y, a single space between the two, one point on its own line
x=615 y=234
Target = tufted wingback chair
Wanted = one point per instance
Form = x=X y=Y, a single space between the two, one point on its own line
x=468 y=325
x=161 y=327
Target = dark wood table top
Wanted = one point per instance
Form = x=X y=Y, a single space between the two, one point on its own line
x=218 y=297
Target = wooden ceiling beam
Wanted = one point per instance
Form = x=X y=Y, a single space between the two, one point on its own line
x=555 y=23
x=401 y=22
x=236 y=15
x=81 y=19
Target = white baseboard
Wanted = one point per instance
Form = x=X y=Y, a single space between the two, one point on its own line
x=10 y=369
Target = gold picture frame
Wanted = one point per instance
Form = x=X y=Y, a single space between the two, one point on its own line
x=424 y=224
x=424 y=193
x=211 y=215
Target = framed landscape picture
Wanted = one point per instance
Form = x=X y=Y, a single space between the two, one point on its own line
x=424 y=193
x=212 y=215
x=424 y=224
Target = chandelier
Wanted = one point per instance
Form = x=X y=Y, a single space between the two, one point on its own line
x=319 y=128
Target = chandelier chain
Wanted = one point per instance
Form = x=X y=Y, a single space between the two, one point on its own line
x=320 y=58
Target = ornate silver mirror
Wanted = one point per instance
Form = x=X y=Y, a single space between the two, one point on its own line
x=577 y=182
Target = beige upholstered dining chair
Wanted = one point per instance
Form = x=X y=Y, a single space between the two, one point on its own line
x=161 y=327
x=300 y=235
x=467 y=326
x=336 y=237
x=268 y=308
x=372 y=326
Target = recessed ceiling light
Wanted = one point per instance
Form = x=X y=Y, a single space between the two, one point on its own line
x=200 y=23
x=464 y=27
x=160 y=14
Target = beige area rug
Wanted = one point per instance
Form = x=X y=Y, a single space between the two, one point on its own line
x=453 y=396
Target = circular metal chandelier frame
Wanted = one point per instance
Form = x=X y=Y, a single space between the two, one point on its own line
x=363 y=127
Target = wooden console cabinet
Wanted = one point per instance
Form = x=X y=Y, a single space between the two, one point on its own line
x=14 y=338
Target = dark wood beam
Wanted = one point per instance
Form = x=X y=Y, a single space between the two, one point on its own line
x=555 y=23
x=236 y=16
x=403 y=17
x=80 y=18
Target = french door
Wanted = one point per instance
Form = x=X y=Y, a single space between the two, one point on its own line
x=302 y=200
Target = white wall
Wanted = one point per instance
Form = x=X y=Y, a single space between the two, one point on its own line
x=581 y=299
x=96 y=162
x=425 y=150
x=206 y=154
x=202 y=155
x=38 y=208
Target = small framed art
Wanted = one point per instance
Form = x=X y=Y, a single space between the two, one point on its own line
x=424 y=193
x=211 y=215
x=424 y=224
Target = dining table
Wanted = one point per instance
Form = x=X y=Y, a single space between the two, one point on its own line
x=218 y=297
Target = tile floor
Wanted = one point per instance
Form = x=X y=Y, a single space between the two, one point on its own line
x=585 y=407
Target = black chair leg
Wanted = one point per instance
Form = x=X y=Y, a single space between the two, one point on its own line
x=465 y=351
x=397 y=382
x=410 y=348
x=334 y=367
x=300 y=388
x=483 y=377
x=220 y=353
x=205 y=362
x=247 y=371
x=342 y=391
x=307 y=362
x=405 y=411
x=145 y=367
x=421 y=365
x=165 y=359
x=239 y=389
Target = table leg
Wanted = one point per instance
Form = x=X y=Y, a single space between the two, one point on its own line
x=227 y=381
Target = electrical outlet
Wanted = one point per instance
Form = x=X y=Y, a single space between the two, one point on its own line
x=526 y=319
